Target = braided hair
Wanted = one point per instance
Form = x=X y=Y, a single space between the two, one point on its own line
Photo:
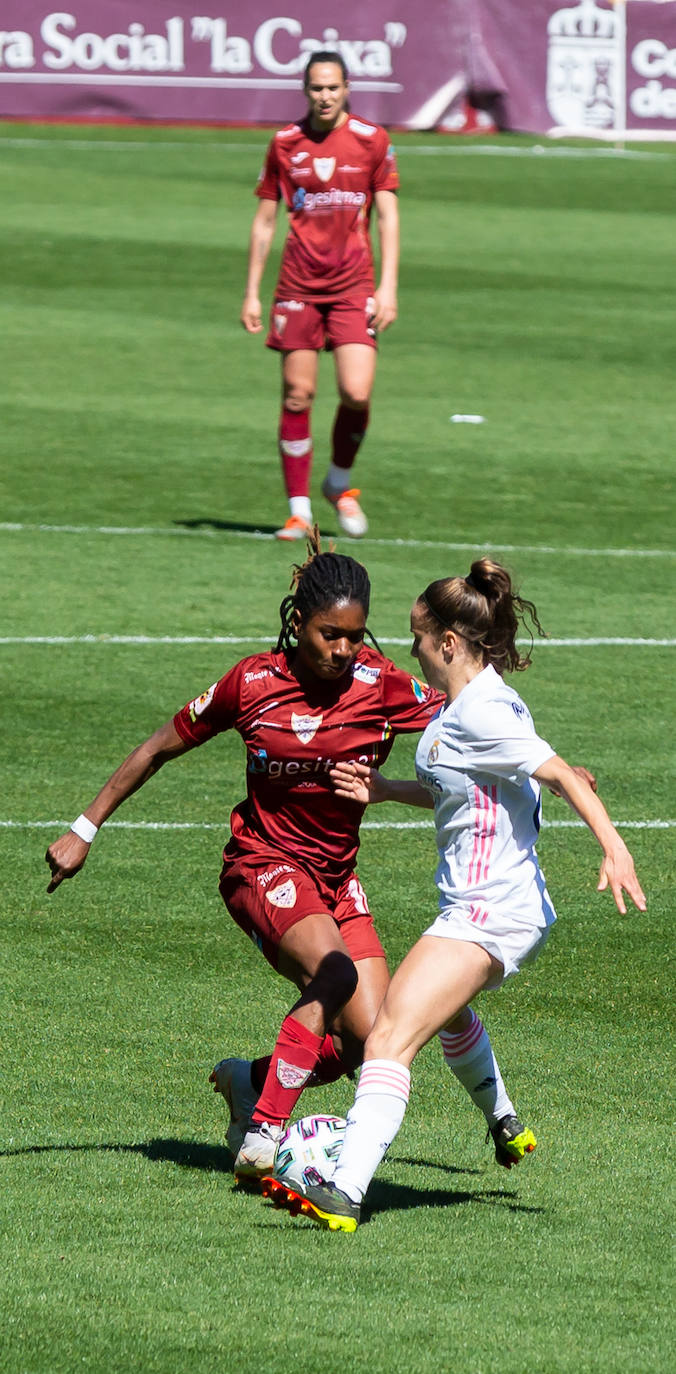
x=319 y=583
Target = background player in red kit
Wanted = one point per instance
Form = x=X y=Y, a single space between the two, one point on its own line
x=289 y=876
x=329 y=170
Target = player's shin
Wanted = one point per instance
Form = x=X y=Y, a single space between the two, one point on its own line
x=469 y=1055
x=349 y=428
x=295 y=449
x=292 y=1063
x=372 y=1124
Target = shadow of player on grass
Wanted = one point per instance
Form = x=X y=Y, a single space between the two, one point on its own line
x=239 y=526
x=187 y=1154
x=384 y=1196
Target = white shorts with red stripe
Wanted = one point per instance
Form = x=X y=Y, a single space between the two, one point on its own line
x=511 y=942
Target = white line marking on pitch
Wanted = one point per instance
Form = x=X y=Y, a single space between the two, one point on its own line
x=366 y=825
x=478 y=546
x=146 y=640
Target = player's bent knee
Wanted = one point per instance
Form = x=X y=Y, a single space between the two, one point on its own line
x=335 y=982
x=298 y=401
x=355 y=400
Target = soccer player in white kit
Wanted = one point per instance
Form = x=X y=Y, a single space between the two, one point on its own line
x=480 y=765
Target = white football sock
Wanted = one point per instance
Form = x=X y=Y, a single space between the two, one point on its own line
x=470 y=1057
x=300 y=506
x=372 y=1123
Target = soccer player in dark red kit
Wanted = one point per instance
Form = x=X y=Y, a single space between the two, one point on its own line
x=288 y=880
x=329 y=169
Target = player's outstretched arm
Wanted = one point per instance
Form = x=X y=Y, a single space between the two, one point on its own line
x=260 y=243
x=66 y=855
x=387 y=212
x=360 y=783
x=617 y=869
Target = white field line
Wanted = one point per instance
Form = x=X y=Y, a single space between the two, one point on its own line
x=143 y=640
x=420 y=150
x=60 y=826
x=478 y=546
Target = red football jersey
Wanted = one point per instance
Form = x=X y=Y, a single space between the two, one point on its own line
x=293 y=738
x=327 y=181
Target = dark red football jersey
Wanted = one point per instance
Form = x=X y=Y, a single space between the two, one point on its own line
x=327 y=181
x=293 y=737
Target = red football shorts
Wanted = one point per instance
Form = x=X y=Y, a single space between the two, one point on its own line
x=298 y=324
x=267 y=899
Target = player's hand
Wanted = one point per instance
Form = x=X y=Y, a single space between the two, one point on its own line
x=358 y=783
x=583 y=773
x=385 y=312
x=618 y=874
x=66 y=857
x=251 y=315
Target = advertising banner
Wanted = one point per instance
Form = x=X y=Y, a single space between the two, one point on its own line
x=595 y=67
x=592 y=68
x=230 y=63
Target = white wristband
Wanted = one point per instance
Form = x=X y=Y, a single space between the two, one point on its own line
x=84 y=829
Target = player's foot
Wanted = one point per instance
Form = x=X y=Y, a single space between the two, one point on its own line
x=326 y=1205
x=351 y=517
x=512 y=1141
x=279 y=1193
x=232 y=1078
x=295 y=528
x=256 y=1155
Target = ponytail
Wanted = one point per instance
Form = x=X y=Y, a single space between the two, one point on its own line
x=486 y=611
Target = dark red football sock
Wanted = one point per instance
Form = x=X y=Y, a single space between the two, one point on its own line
x=328 y=1069
x=349 y=428
x=293 y=1059
x=295 y=450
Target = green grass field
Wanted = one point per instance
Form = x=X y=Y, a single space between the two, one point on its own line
x=138 y=440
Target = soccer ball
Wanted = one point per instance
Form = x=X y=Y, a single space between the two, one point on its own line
x=308 y=1150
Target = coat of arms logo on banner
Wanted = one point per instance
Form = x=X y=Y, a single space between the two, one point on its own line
x=586 y=65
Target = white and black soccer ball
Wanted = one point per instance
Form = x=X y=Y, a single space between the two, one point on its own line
x=308 y=1150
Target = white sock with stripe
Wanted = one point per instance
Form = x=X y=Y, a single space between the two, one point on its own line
x=372 y=1123
x=470 y=1057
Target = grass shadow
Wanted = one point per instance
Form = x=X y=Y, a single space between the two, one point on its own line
x=383 y=1195
x=395 y=1197
x=238 y=526
x=187 y=1154
x=433 y=1164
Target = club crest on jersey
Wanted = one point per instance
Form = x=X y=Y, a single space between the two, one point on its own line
x=324 y=167
x=200 y=703
x=284 y=895
x=433 y=754
x=305 y=727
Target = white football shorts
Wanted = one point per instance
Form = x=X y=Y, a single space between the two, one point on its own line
x=511 y=942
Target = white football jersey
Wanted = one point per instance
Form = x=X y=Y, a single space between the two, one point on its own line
x=476 y=757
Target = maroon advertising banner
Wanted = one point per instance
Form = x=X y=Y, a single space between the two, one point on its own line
x=234 y=63
x=593 y=68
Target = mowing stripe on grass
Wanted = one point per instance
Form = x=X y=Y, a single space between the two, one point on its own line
x=65 y=640
x=14 y=527
x=366 y=825
x=419 y=150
